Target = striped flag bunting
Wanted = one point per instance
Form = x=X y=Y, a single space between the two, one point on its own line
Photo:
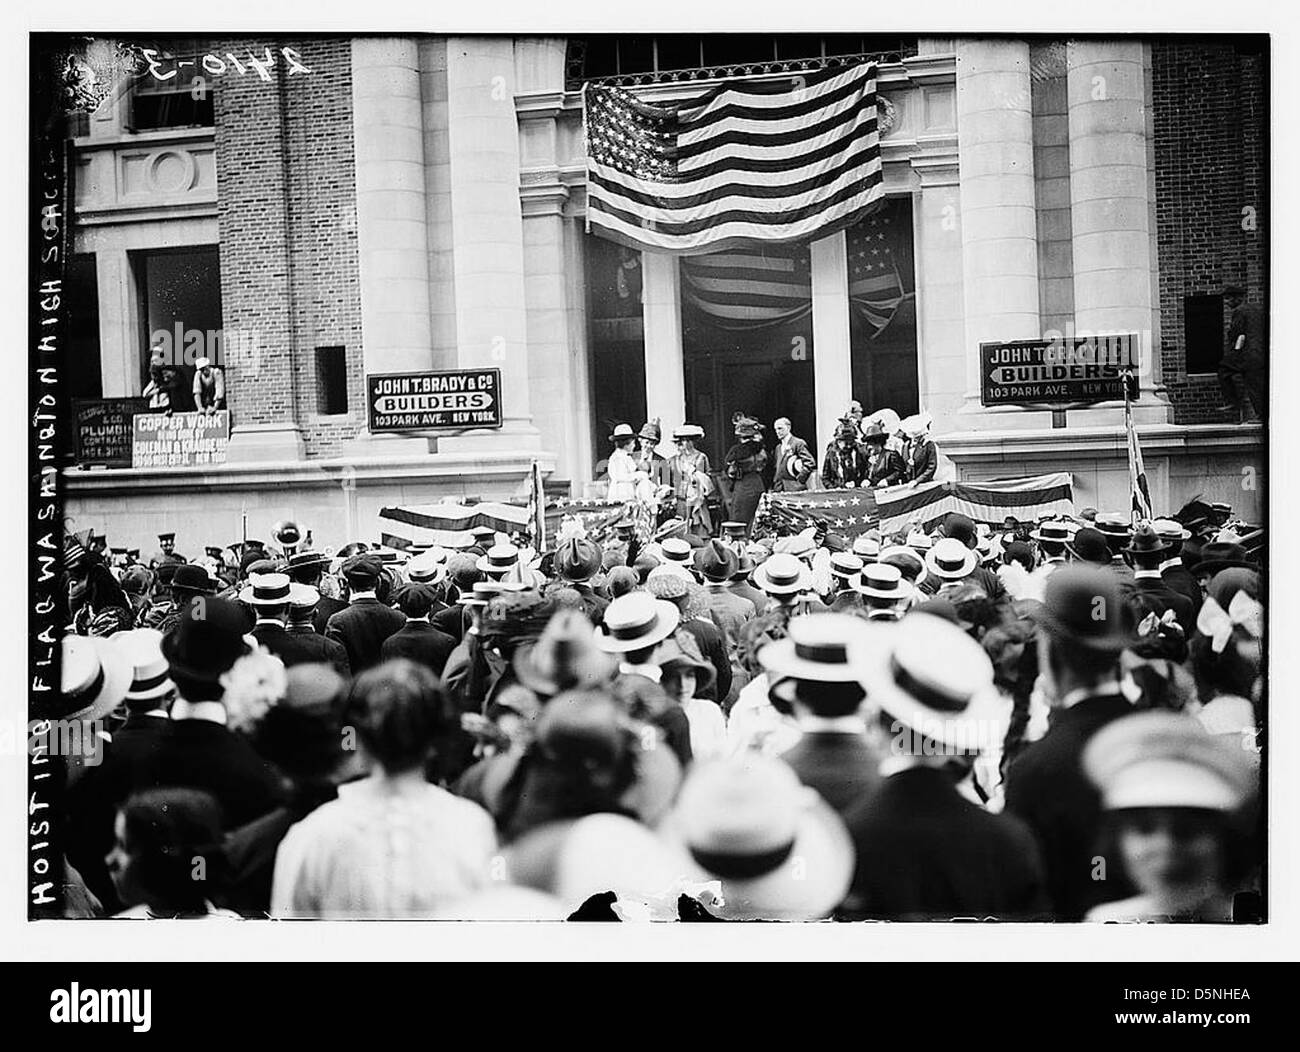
x=763 y=286
x=448 y=524
x=902 y=507
x=748 y=161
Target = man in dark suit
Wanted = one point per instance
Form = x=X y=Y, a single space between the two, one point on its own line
x=418 y=640
x=925 y=852
x=794 y=462
x=306 y=568
x=1173 y=571
x=313 y=647
x=834 y=755
x=366 y=623
x=1149 y=593
x=270 y=597
x=197 y=749
x=1083 y=625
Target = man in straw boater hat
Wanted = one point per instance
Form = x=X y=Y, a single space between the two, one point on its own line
x=1051 y=537
x=844 y=598
x=1172 y=570
x=779 y=850
x=418 y=640
x=270 y=596
x=632 y=630
x=366 y=623
x=1116 y=528
x=1083 y=626
x=814 y=674
x=303 y=600
x=925 y=852
x=93 y=799
x=948 y=563
x=1149 y=593
x=307 y=568
x=885 y=592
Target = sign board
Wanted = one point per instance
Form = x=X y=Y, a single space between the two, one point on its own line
x=1072 y=371
x=431 y=401
x=182 y=440
x=102 y=430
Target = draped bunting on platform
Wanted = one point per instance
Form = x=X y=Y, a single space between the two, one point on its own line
x=850 y=512
x=448 y=525
x=1025 y=498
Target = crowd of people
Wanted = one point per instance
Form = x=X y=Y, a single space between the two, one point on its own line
x=867 y=452
x=1057 y=720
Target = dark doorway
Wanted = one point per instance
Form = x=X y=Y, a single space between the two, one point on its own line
x=747 y=342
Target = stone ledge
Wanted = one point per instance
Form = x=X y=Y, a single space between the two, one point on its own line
x=1060 y=444
x=359 y=471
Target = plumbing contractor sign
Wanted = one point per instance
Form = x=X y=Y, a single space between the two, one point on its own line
x=453 y=399
x=1071 y=371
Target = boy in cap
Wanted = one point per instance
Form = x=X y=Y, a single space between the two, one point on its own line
x=366 y=623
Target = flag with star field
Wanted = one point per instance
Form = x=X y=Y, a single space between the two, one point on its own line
x=748 y=162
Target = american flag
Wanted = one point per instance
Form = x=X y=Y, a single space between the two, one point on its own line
x=747 y=162
x=876 y=284
x=1136 y=471
x=847 y=512
x=768 y=285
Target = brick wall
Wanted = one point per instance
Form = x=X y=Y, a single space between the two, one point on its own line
x=287 y=214
x=1209 y=113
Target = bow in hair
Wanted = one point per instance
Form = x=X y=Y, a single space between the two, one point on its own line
x=1151 y=624
x=1217 y=624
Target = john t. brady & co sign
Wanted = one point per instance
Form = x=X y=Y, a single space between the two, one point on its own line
x=1078 y=369
x=456 y=398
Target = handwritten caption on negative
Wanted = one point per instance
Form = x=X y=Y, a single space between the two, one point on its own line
x=165 y=68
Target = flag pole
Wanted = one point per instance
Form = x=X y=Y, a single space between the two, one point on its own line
x=586 y=169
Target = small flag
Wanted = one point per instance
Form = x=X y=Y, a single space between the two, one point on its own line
x=1136 y=472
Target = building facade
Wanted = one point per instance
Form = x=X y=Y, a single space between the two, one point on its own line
x=371 y=205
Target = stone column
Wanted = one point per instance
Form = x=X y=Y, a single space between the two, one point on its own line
x=661 y=306
x=119 y=324
x=832 y=356
x=487 y=232
x=392 y=241
x=387 y=116
x=999 y=249
x=1110 y=195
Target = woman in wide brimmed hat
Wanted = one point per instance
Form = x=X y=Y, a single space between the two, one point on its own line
x=1226 y=655
x=845 y=464
x=743 y=466
x=648 y=457
x=626 y=479
x=1173 y=797
x=779 y=850
x=686 y=675
x=688 y=473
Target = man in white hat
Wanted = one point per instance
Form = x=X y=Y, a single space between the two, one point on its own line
x=885 y=593
x=845 y=568
x=209 y=386
x=925 y=852
x=816 y=671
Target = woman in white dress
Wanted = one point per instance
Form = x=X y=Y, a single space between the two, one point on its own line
x=626 y=479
